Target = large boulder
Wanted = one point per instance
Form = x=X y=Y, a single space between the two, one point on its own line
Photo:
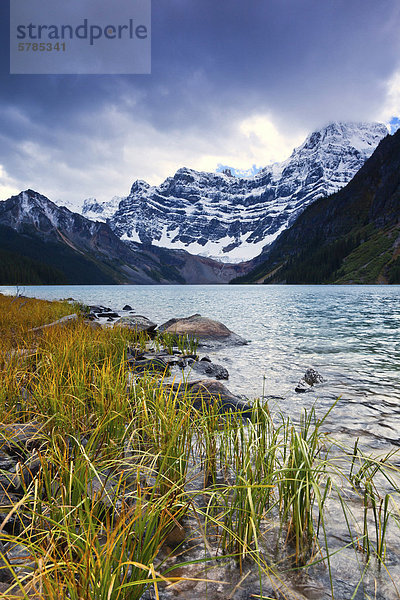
x=206 y=331
x=137 y=323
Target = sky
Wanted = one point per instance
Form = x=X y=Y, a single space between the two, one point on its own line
x=232 y=83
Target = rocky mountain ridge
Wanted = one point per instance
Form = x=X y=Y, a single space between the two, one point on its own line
x=78 y=250
x=233 y=219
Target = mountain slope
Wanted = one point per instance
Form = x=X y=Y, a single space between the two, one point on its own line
x=352 y=236
x=77 y=250
x=233 y=219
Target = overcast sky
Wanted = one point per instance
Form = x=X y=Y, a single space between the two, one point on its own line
x=232 y=82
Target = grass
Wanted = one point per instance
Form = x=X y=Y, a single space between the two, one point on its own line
x=367 y=261
x=128 y=476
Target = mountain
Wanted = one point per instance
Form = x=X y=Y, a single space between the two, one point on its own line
x=96 y=211
x=41 y=242
x=231 y=218
x=352 y=236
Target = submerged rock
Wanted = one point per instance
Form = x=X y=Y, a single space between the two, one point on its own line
x=203 y=329
x=311 y=377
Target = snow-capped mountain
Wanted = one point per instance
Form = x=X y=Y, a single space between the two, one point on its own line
x=100 y=211
x=231 y=218
x=84 y=251
x=32 y=213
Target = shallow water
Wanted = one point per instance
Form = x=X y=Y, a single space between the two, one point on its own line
x=350 y=334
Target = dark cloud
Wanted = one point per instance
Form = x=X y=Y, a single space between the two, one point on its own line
x=301 y=62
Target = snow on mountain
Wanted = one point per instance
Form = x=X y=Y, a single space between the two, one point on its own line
x=100 y=211
x=36 y=212
x=232 y=218
x=238 y=172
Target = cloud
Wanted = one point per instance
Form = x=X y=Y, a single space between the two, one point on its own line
x=8 y=186
x=232 y=83
x=391 y=105
x=105 y=154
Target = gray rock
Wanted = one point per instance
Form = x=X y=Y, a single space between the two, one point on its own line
x=148 y=364
x=127 y=307
x=20 y=559
x=6 y=463
x=312 y=377
x=206 y=359
x=209 y=391
x=10 y=524
x=92 y=324
x=206 y=331
x=6 y=575
x=96 y=309
x=302 y=387
x=27 y=472
x=137 y=323
x=171 y=322
x=63 y=322
x=18 y=439
x=210 y=369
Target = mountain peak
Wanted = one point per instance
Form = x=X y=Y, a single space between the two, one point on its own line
x=359 y=135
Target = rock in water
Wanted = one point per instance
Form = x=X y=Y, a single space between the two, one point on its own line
x=171 y=322
x=148 y=364
x=203 y=329
x=137 y=323
x=311 y=377
x=302 y=387
x=127 y=307
x=210 y=369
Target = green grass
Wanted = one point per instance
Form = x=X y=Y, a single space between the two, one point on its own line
x=367 y=261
